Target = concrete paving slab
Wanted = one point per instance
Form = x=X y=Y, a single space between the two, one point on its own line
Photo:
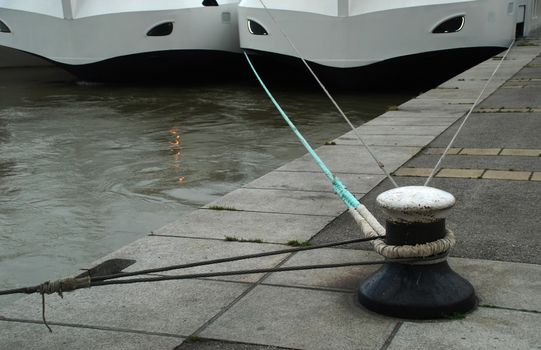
x=507 y=175
x=460 y=173
x=513 y=98
x=484 y=329
x=344 y=278
x=440 y=150
x=457 y=101
x=513 y=86
x=418 y=104
x=480 y=151
x=468 y=95
x=508 y=69
x=485 y=130
x=160 y=251
x=24 y=336
x=413 y=172
x=433 y=114
x=521 y=152
x=472 y=85
x=386 y=140
x=412 y=121
x=529 y=72
x=173 y=307
x=502 y=284
x=477 y=162
x=317 y=182
x=280 y=201
x=269 y=227
x=353 y=160
x=302 y=319
x=402 y=130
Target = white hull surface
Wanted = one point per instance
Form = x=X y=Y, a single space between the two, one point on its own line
x=352 y=34
x=109 y=37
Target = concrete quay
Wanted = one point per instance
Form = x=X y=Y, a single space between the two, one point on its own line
x=494 y=171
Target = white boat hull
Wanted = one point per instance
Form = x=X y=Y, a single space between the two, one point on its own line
x=348 y=35
x=88 y=37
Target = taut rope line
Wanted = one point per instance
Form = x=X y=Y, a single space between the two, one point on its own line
x=438 y=164
x=71 y=284
x=331 y=98
x=339 y=188
x=362 y=216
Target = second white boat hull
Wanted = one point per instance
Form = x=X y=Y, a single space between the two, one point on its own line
x=391 y=36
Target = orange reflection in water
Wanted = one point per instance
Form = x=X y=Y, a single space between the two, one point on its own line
x=174 y=145
x=176 y=141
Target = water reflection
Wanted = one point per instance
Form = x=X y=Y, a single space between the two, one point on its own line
x=85 y=169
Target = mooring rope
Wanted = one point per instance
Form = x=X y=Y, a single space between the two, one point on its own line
x=81 y=282
x=331 y=98
x=232 y=259
x=440 y=246
x=71 y=284
x=363 y=217
x=446 y=151
x=267 y=270
x=339 y=188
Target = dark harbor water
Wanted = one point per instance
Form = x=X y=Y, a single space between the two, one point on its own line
x=86 y=169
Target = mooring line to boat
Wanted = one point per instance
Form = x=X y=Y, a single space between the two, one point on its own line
x=230 y=259
x=61 y=286
x=266 y=270
x=331 y=98
x=446 y=151
x=70 y=284
x=339 y=188
x=369 y=225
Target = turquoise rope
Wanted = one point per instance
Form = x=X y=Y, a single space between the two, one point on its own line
x=349 y=200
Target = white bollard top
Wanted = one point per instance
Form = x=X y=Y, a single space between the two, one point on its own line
x=415 y=204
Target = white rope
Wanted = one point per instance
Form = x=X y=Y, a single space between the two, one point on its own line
x=439 y=246
x=368 y=148
x=438 y=164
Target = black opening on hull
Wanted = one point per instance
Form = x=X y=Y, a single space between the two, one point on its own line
x=162 y=29
x=452 y=25
x=210 y=3
x=255 y=28
x=4 y=28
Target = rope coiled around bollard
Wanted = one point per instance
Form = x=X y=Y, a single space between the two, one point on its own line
x=372 y=228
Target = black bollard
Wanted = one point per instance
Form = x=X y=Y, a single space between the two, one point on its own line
x=422 y=290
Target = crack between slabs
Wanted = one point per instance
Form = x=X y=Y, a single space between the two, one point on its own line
x=84 y=326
